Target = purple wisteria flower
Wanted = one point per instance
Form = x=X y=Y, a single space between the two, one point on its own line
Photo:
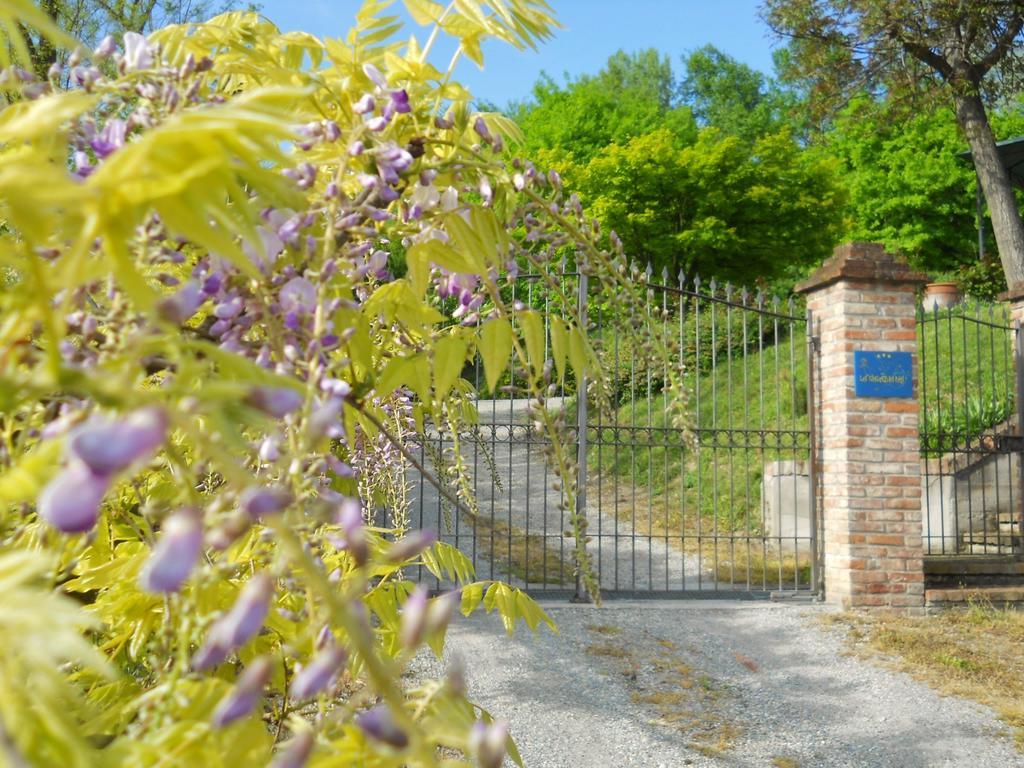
x=414 y=618
x=298 y=295
x=175 y=554
x=110 y=139
x=237 y=626
x=365 y=105
x=392 y=162
x=411 y=545
x=137 y=52
x=247 y=692
x=106 y=446
x=350 y=519
x=274 y=401
x=379 y=724
x=259 y=502
x=181 y=306
x=489 y=743
x=318 y=674
x=296 y=752
x=71 y=501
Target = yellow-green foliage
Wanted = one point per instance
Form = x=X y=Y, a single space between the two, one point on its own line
x=200 y=348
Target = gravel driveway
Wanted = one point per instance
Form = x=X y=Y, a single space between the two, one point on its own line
x=711 y=683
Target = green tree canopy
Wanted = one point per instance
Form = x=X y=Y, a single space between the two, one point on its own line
x=719 y=207
x=631 y=96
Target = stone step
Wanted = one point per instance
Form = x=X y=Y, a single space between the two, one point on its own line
x=954 y=596
x=990 y=549
x=960 y=565
x=991 y=537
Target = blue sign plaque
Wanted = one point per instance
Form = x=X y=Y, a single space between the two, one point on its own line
x=882 y=374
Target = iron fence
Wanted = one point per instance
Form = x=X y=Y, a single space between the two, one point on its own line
x=699 y=490
x=971 y=427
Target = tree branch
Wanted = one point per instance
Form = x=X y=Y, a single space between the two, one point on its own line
x=1002 y=45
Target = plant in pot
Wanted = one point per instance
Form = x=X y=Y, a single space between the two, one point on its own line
x=942 y=293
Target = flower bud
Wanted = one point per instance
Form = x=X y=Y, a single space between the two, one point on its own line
x=350 y=518
x=411 y=545
x=71 y=501
x=183 y=304
x=269 y=451
x=379 y=724
x=107 y=446
x=240 y=701
x=176 y=553
x=106 y=48
x=296 y=752
x=488 y=743
x=440 y=612
x=318 y=674
x=259 y=502
x=274 y=401
x=414 y=618
x=245 y=619
x=364 y=106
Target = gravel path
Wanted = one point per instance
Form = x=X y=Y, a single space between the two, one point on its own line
x=711 y=683
x=523 y=502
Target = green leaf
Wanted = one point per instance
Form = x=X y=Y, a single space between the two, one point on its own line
x=578 y=352
x=495 y=349
x=559 y=345
x=423 y=11
x=533 y=333
x=472 y=594
x=26 y=478
x=449 y=357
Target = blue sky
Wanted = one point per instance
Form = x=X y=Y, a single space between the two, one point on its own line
x=594 y=29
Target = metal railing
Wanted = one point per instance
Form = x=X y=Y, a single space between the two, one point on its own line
x=708 y=496
x=971 y=427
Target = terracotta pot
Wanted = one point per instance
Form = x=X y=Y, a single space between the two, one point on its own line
x=941 y=295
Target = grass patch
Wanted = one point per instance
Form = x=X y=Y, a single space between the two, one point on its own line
x=973 y=653
x=784 y=762
x=608 y=650
x=605 y=629
x=679 y=697
x=532 y=559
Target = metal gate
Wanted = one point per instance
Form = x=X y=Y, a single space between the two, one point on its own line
x=711 y=496
x=971 y=382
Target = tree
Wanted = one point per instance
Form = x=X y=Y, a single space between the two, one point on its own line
x=964 y=51
x=719 y=207
x=90 y=20
x=731 y=96
x=631 y=96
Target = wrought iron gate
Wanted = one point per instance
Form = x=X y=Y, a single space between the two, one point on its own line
x=972 y=430
x=722 y=502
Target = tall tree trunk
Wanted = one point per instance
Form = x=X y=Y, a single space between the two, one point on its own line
x=43 y=54
x=1007 y=225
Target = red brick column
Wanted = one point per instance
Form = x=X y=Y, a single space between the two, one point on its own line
x=869 y=460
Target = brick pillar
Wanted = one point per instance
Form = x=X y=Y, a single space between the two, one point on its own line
x=869 y=450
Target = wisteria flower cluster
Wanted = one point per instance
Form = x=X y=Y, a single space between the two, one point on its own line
x=241 y=271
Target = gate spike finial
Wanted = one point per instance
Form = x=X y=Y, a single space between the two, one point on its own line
x=728 y=291
x=790 y=306
x=713 y=286
x=775 y=304
x=760 y=298
x=681 y=277
x=744 y=295
x=696 y=283
x=649 y=271
x=664 y=275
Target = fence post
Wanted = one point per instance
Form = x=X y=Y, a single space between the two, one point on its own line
x=581 y=431
x=868 y=446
